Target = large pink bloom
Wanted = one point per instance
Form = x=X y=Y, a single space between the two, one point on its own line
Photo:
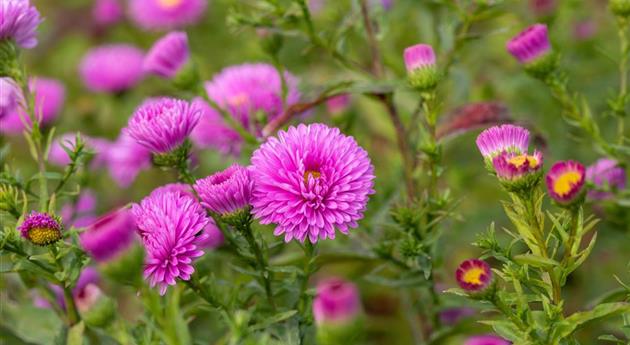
x=310 y=180
x=166 y=14
x=171 y=226
x=112 y=68
x=18 y=22
x=246 y=92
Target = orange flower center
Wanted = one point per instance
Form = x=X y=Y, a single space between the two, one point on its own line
x=43 y=236
x=238 y=100
x=169 y=3
x=312 y=173
x=522 y=160
x=566 y=182
x=473 y=276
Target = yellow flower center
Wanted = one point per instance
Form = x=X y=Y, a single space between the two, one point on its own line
x=473 y=276
x=238 y=100
x=566 y=182
x=169 y=3
x=521 y=160
x=312 y=173
x=43 y=236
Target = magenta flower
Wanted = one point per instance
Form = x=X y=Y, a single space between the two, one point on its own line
x=504 y=138
x=310 y=180
x=510 y=166
x=419 y=56
x=338 y=104
x=126 y=159
x=41 y=229
x=168 y=55
x=10 y=98
x=163 y=124
x=81 y=293
x=607 y=176
x=49 y=96
x=337 y=302
x=486 y=340
x=109 y=236
x=170 y=225
x=107 y=12
x=112 y=68
x=227 y=191
x=99 y=147
x=474 y=275
x=212 y=131
x=19 y=21
x=531 y=44
x=565 y=182
x=247 y=92
x=166 y=14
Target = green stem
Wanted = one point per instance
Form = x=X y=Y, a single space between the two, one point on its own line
x=573 y=224
x=195 y=285
x=303 y=301
x=624 y=47
x=71 y=308
x=265 y=274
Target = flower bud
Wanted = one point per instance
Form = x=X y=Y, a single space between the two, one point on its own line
x=337 y=312
x=620 y=7
x=531 y=48
x=565 y=183
x=227 y=192
x=41 y=229
x=421 y=70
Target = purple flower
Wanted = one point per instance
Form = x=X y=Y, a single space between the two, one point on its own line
x=80 y=213
x=125 y=159
x=109 y=236
x=246 y=92
x=112 y=68
x=565 y=182
x=163 y=124
x=100 y=148
x=41 y=228
x=452 y=316
x=107 y=12
x=168 y=55
x=486 y=340
x=19 y=21
x=531 y=44
x=510 y=166
x=474 y=275
x=504 y=138
x=419 y=56
x=337 y=302
x=81 y=293
x=212 y=131
x=227 y=191
x=310 y=180
x=338 y=104
x=49 y=96
x=166 y=14
x=170 y=225
x=10 y=98
x=584 y=29
x=607 y=176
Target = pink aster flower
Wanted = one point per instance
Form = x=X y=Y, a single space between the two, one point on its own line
x=530 y=44
x=166 y=14
x=49 y=96
x=126 y=159
x=486 y=340
x=510 y=166
x=41 y=229
x=247 y=92
x=10 y=97
x=107 y=12
x=99 y=148
x=337 y=302
x=109 y=235
x=474 y=275
x=607 y=176
x=565 y=182
x=163 y=124
x=171 y=228
x=419 y=56
x=212 y=131
x=309 y=181
x=509 y=138
x=112 y=68
x=227 y=191
x=168 y=55
x=19 y=21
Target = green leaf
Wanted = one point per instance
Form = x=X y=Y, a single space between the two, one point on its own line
x=535 y=260
x=279 y=317
x=75 y=334
x=572 y=323
x=509 y=331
